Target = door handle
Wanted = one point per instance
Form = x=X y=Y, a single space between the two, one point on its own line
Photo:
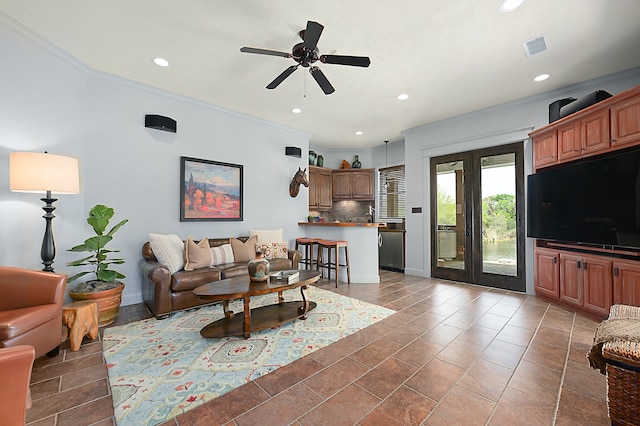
x=379 y=240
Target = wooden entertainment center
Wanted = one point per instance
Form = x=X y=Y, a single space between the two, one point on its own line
x=588 y=279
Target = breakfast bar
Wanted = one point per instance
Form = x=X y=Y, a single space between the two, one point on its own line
x=363 y=246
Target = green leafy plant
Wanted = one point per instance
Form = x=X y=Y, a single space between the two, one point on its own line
x=99 y=217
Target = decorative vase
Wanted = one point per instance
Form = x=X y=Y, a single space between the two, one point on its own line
x=312 y=158
x=356 y=163
x=259 y=268
x=320 y=161
x=107 y=294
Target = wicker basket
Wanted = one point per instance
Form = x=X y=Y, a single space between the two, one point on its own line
x=623 y=373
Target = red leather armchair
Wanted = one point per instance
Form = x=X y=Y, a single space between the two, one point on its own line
x=31 y=309
x=15 y=373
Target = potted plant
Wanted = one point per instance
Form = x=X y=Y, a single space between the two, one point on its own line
x=106 y=289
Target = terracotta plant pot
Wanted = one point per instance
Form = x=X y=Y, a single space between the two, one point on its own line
x=108 y=300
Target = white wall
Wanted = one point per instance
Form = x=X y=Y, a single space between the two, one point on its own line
x=51 y=102
x=499 y=125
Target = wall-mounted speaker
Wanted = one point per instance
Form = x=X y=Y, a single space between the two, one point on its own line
x=293 y=151
x=160 y=122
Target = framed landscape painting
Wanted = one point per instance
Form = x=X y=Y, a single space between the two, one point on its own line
x=210 y=190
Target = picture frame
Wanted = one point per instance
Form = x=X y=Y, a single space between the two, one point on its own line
x=210 y=190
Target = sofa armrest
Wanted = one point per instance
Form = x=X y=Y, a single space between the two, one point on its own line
x=44 y=288
x=295 y=256
x=156 y=287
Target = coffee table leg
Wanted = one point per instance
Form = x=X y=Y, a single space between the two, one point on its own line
x=305 y=302
x=225 y=306
x=280 y=297
x=247 y=318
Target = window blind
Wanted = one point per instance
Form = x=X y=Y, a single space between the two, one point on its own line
x=392 y=193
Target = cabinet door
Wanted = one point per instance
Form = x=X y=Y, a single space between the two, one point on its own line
x=319 y=189
x=625 y=122
x=545 y=149
x=571 y=279
x=626 y=283
x=598 y=288
x=546 y=272
x=569 y=140
x=595 y=132
x=341 y=186
x=324 y=190
x=362 y=185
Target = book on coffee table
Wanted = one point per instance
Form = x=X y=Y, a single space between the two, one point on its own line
x=288 y=276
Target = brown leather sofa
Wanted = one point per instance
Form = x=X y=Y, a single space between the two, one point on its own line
x=164 y=293
x=16 y=364
x=31 y=309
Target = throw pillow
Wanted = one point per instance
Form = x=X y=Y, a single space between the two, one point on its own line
x=274 y=250
x=244 y=252
x=169 y=250
x=196 y=256
x=267 y=235
x=221 y=255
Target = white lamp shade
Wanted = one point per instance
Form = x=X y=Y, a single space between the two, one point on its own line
x=41 y=172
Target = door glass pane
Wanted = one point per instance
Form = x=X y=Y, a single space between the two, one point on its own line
x=450 y=215
x=499 y=231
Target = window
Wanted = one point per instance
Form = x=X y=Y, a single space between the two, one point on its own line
x=392 y=193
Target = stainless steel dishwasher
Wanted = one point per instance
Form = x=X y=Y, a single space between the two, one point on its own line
x=391 y=249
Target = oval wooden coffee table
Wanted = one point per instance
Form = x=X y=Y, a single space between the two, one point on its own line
x=258 y=318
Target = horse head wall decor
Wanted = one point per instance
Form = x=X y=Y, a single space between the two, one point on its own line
x=299 y=178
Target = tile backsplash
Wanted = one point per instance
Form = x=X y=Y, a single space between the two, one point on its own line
x=348 y=211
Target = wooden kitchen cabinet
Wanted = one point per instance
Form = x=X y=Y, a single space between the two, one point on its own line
x=626 y=283
x=353 y=184
x=320 y=186
x=547 y=272
x=569 y=140
x=583 y=136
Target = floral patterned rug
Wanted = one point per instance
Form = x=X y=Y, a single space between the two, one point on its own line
x=159 y=369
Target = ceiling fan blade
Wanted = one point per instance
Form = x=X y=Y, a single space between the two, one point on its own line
x=279 y=79
x=312 y=35
x=322 y=81
x=265 y=52
x=356 y=61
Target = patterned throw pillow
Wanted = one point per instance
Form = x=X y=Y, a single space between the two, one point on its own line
x=221 y=255
x=274 y=250
x=169 y=250
x=244 y=252
x=196 y=256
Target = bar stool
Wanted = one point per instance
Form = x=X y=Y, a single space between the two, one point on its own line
x=307 y=255
x=333 y=246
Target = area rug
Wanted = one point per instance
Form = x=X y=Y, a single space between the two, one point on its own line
x=159 y=369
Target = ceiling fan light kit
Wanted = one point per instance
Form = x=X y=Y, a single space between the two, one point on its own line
x=305 y=54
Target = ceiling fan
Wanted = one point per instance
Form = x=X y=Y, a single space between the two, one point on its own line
x=305 y=54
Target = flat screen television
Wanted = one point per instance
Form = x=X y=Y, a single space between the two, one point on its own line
x=593 y=201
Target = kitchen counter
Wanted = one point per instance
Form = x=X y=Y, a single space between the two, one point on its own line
x=363 y=246
x=345 y=224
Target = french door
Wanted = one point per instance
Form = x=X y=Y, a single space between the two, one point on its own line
x=477 y=217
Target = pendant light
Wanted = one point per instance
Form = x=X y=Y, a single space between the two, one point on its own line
x=386 y=159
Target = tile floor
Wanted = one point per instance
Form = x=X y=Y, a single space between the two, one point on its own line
x=454 y=354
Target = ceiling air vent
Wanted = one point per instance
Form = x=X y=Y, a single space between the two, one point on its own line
x=535 y=46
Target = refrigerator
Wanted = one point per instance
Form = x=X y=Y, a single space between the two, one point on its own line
x=391 y=250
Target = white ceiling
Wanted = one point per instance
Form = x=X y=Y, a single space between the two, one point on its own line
x=451 y=57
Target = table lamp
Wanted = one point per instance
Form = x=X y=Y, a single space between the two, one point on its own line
x=42 y=172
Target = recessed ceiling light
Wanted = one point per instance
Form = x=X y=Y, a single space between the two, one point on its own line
x=161 y=62
x=403 y=97
x=509 y=5
x=296 y=110
x=541 y=77
x=358 y=133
